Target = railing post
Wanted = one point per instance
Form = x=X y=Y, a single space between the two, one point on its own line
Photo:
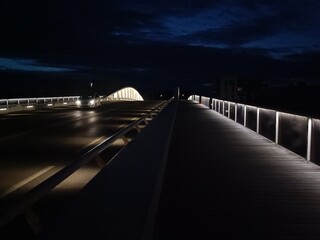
x=258 y=120
x=229 y=109
x=277 y=128
x=236 y=112
x=309 y=140
x=245 y=116
x=223 y=107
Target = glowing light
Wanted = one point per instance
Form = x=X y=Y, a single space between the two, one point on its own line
x=30 y=106
x=49 y=104
x=3 y=109
x=309 y=141
x=65 y=103
x=126 y=94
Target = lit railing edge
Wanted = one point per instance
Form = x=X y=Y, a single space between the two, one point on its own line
x=310 y=120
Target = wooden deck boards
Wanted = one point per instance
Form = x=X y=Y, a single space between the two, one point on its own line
x=224 y=181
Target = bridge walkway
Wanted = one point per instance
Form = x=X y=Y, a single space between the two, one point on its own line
x=224 y=181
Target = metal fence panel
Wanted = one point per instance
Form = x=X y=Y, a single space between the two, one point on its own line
x=267 y=123
x=293 y=133
x=252 y=118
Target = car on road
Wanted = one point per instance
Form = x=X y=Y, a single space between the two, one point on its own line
x=89 y=101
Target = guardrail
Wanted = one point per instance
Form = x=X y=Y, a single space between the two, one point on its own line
x=22 y=104
x=130 y=190
x=299 y=134
x=24 y=203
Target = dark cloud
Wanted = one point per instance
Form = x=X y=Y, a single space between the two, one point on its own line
x=278 y=19
x=45 y=26
x=153 y=42
x=238 y=33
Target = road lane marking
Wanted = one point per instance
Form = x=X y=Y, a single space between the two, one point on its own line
x=91 y=143
x=101 y=138
x=25 y=181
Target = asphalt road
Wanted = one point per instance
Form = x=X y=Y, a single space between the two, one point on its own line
x=35 y=145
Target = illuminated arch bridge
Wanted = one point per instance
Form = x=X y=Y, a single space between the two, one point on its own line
x=20 y=104
x=127 y=93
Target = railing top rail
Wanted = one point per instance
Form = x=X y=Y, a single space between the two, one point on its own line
x=26 y=98
x=268 y=109
x=298 y=133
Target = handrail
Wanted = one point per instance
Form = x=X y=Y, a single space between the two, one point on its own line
x=21 y=104
x=37 y=100
x=297 y=133
x=16 y=208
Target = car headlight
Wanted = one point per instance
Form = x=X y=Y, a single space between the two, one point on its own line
x=78 y=102
x=91 y=102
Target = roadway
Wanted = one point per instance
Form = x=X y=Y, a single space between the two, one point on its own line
x=215 y=179
x=36 y=144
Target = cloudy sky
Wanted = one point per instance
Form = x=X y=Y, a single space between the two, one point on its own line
x=160 y=42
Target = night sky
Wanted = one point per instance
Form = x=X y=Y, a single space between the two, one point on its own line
x=66 y=44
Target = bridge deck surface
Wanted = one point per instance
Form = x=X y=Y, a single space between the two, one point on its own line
x=224 y=181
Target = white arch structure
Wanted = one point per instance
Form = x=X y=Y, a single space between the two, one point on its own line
x=127 y=93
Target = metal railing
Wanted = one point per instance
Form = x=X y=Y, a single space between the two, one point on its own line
x=299 y=134
x=20 y=104
x=23 y=204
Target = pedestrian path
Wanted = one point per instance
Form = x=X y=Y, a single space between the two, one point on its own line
x=224 y=181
